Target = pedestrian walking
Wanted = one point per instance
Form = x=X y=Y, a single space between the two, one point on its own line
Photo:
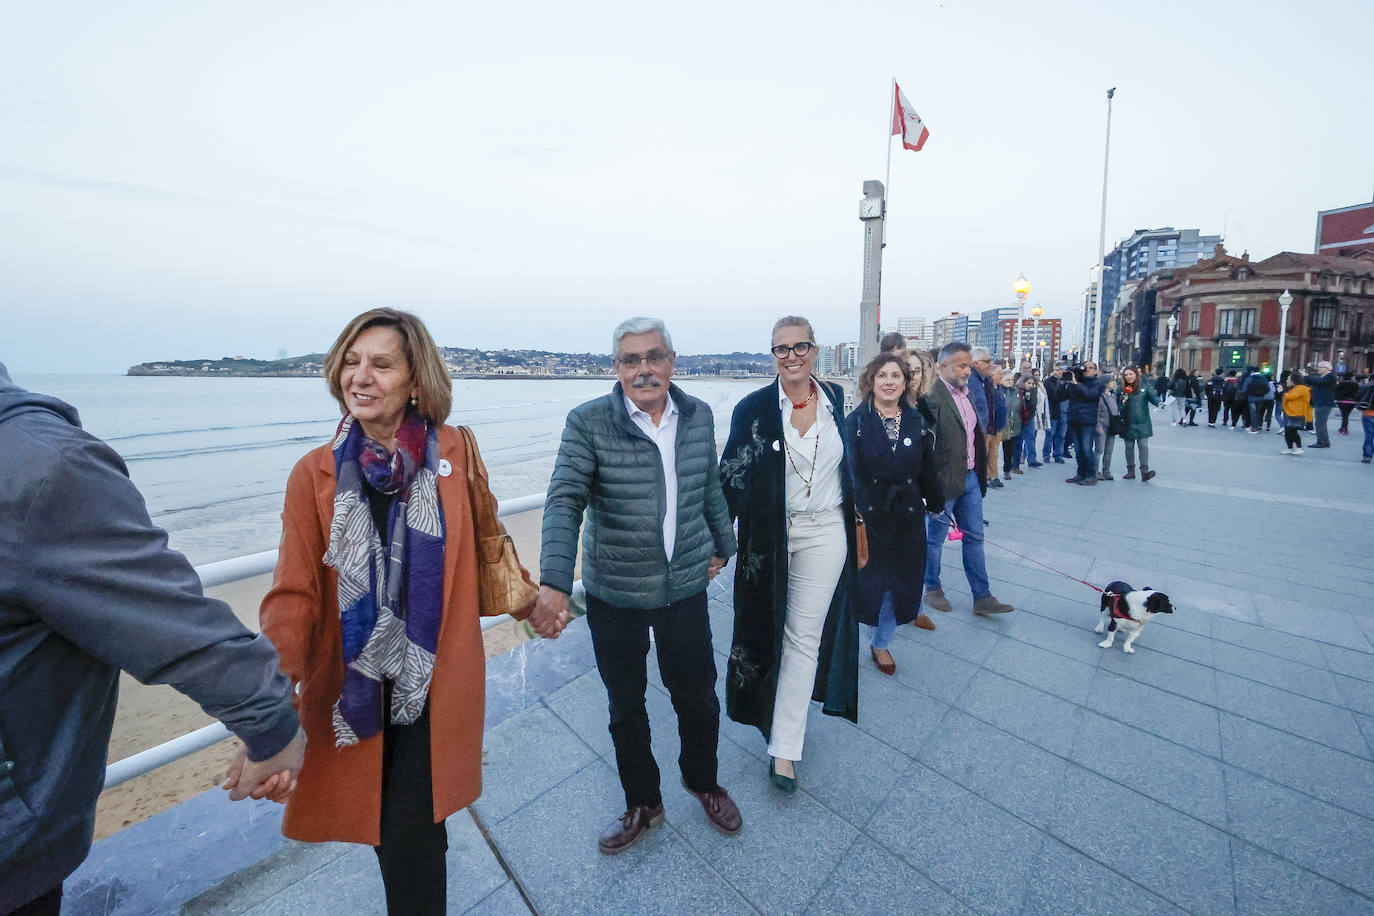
x=1216 y=395
x=1297 y=401
x=636 y=472
x=894 y=485
x=1232 y=411
x=787 y=481
x=1136 y=398
x=1193 y=402
x=1347 y=393
x=1178 y=397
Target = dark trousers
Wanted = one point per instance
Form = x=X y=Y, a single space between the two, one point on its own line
x=1291 y=439
x=1240 y=410
x=1266 y=419
x=1084 y=437
x=413 y=848
x=47 y=904
x=682 y=632
x=1009 y=449
x=1213 y=408
x=1345 y=407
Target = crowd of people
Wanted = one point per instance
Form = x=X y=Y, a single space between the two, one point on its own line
x=364 y=713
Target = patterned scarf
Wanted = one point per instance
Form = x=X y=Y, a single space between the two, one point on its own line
x=390 y=599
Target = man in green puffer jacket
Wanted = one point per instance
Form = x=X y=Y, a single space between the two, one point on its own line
x=640 y=464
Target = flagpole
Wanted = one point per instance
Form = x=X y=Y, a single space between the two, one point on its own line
x=887 y=175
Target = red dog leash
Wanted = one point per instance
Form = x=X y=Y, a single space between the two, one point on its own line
x=954 y=528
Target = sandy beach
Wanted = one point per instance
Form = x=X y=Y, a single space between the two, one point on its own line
x=149 y=715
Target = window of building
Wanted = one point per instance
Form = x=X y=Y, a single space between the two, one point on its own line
x=1194 y=319
x=1245 y=321
x=1323 y=317
x=1345 y=320
x=1226 y=322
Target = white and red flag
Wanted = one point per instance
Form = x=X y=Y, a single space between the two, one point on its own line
x=907 y=122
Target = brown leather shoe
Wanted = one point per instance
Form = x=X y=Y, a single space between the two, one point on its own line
x=990 y=605
x=720 y=810
x=935 y=598
x=629 y=827
x=924 y=622
x=888 y=668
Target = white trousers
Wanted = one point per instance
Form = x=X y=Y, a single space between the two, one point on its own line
x=816 y=551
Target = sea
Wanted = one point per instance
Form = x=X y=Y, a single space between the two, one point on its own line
x=211 y=455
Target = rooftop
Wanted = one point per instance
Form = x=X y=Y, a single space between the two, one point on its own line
x=1011 y=766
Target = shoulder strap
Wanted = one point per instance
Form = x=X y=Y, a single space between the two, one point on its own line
x=479 y=490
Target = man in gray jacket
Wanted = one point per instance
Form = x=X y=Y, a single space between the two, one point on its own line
x=640 y=464
x=87 y=587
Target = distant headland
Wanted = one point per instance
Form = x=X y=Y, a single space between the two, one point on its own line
x=463 y=363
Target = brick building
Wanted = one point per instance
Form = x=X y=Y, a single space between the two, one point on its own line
x=1228 y=313
x=1040 y=338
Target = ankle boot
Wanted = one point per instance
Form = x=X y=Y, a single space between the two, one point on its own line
x=1145 y=474
x=1130 y=472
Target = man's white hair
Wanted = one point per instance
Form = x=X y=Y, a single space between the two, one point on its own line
x=980 y=353
x=639 y=326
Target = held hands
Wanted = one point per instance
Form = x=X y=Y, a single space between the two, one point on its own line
x=273 y=778
x=717 y=564
x=550 y=615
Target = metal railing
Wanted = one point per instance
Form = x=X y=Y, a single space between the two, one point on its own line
x=237 y=569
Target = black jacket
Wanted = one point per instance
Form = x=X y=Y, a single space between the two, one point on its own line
x=1083 y=398
x=1056 y=395
x=87 y=587
x=1323 y=389
x=894 y=485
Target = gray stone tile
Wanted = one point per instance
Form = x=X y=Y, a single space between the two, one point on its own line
x=954 y=837
x=1269 y=886
x=895 y=715
x=1066 y=881
x=1000 y=767
x=953 y=636
x=1315 y=622
x=1159 y=670
x=1264 y=639
x=1040 y=718
x=1349 y=662
x=871 y=880
x=290 y=863
x=1167 y=772
x=928 y=670
x=1330 y=841
x=1367 y=726
x=525 y=756
x=1075 y=642
x=1159 y=712
x=351 y=883
x=1040 y=668
x=1321 y=722
x=1339 y=778
x=1180 y=643
x=788 y=846
x=472 y=868
x=848 y=770
x=671 y=879
x=1191 y=594
x=1189 y=863
x=504 y=901
x=1357 y=694
x=582 y=706
x=1295 y=677
x=550 y=842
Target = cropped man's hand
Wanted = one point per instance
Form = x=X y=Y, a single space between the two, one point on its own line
x=273 y=778
x=550 y=615
x=717 y=564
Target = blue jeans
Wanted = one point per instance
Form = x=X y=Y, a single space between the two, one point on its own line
x=1084 y=436
x=1028 y=433
x=1256 y=413
x=1368 y=436
x=1320 y=416
x=880 y=637
x=1054 y=438
x=968 y=512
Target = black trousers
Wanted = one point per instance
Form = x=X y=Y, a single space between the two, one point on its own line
x=413 y=848
x=47 y=904
x=1213 y=408
x=682 y=632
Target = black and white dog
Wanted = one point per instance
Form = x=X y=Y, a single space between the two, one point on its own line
x=1129 y=609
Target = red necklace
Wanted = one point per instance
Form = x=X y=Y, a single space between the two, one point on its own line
x=809 y=397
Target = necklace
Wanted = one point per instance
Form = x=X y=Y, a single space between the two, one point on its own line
x=810 y=395
x=893 y=439
x=814 y=455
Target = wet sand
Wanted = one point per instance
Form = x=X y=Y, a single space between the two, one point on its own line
x=148 y=716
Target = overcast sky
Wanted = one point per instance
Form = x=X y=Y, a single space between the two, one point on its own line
x=185 y=180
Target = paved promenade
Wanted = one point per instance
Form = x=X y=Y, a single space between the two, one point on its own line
x=1011 y=766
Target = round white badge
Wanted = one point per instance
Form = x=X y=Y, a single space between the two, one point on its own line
x=445 y=468
x=777 y=446
x=907 y=442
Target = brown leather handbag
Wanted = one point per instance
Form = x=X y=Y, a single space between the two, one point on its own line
x=503 y=585
x=860 y=541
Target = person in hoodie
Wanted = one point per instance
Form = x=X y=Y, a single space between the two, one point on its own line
x=88 y=587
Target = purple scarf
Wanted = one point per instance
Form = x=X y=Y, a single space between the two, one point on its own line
x=390 y=598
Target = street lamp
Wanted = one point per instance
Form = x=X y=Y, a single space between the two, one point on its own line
x=1036 y=312
x=1169 y=346
x=1284 y=302
x=1021 y=287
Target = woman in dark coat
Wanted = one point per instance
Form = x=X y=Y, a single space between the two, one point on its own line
x=786 y=479
x=894 y=485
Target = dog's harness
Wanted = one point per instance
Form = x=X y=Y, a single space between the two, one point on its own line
x=1118 y=607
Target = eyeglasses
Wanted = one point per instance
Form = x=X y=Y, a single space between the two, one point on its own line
x=801 y=349
x=654 y=359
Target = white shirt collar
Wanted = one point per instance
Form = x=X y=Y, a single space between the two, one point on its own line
x=820 y=395
x=635 y=412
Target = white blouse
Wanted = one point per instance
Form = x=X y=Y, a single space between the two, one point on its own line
x=821 y=442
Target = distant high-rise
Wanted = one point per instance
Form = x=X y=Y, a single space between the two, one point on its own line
x=911 y=327
x=954 y=326
x=1146 y=251
x=989 y=328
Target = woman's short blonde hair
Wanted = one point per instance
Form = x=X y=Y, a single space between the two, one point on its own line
x=878 y=362
x=793 y=321
x=433 y=386
x=928 y=375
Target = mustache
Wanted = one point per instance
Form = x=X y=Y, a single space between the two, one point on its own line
x=646 y=381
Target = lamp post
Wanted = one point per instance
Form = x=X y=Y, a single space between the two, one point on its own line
x=1021 y=287
x=1169 y=346
x=1036 y=312
x=1284 y=302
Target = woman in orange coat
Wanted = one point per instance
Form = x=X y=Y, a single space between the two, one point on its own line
x=374 y=611
x=1297 y=406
